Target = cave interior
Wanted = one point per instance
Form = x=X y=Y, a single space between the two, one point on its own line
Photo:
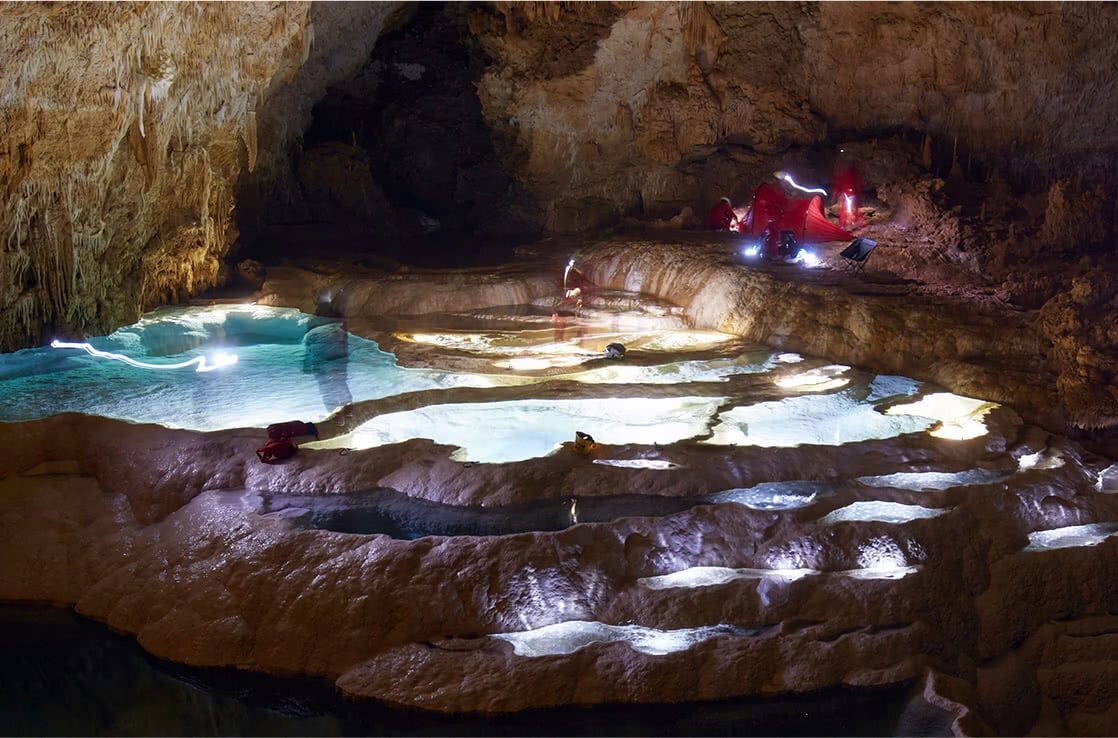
x=426 y=228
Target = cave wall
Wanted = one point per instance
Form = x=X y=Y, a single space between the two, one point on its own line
x=605 y=103
x=343 y=35
x=136 y=131
x=399 y=161
x=127 y=127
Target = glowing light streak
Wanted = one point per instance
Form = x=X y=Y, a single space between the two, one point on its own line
x=751 y=250
x=220 y=359
x=788 y=178
x=567 y=271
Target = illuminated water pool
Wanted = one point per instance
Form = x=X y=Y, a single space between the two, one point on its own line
x=228 y=366
x=289 y=365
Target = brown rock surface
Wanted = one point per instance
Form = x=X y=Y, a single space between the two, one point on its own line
x=168 y=534
x=209 y=578
x=136 y=131
x=128 y=126
x=1026 y=80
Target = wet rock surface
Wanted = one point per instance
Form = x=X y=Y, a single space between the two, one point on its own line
x=868 y=563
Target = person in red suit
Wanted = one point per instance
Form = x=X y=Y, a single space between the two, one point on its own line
x=722 y=216
x=847 y=185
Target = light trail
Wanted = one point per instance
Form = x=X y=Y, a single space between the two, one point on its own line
x=567 y=271
x=788 y=178
x=220 y=360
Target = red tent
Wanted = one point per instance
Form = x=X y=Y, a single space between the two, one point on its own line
x=803 y=217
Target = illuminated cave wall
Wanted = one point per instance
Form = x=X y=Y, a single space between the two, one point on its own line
x=616 y=106
x=127 y=127
x=140 y=137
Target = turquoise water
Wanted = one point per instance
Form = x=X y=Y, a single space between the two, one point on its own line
x=293 y=366
x=290 y=365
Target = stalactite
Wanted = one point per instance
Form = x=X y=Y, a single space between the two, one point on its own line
x=535 y=12
x=250 y=139
x=308 y=42
x=140 y=95
x=700 y=30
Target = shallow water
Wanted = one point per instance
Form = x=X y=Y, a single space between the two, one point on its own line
x=289 y=365
x=64 y=675
x=387 y=512
x=673 y=385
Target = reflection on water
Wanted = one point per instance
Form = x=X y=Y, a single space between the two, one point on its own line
x=290 y=365
x=326 y=358
x=63 y=675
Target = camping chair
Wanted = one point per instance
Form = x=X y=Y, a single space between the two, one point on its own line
x=858 y=252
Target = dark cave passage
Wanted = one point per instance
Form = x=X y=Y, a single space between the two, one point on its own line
x=399 y=164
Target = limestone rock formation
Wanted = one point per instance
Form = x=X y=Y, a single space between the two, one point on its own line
x=128 y=127
x=144 y=139
x=142 y=135
x=165 y=534
x=639 y=89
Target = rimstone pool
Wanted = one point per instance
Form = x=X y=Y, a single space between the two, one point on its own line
x=281 y=364
x=735 y=505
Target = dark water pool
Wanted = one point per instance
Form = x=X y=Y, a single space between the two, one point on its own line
x=388 y=512
x=65 y=675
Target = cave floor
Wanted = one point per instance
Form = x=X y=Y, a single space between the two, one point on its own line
x=821 y=559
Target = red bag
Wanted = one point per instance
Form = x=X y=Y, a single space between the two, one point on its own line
x=276 y=450
x=290 y=429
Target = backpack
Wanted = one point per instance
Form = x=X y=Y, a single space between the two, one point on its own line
x=276 y=450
